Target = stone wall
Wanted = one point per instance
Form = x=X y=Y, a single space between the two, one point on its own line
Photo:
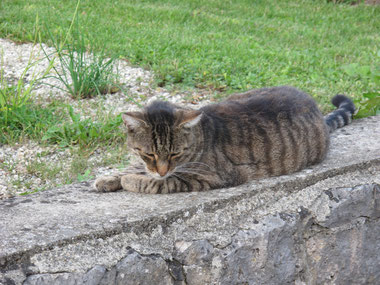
x=307 y=246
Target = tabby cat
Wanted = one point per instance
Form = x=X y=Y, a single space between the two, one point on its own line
x=259 y=133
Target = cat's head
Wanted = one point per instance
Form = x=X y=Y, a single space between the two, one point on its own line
x=163 y=136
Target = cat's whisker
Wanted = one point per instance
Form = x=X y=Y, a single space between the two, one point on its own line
x=195 y=163
x=191 y=172
x=195 y=167
x=180 y=177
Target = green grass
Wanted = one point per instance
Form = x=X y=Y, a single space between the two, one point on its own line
x=14 y=97
x=233 y=45
x=43 y=170
x=79 y=168
x=29 y=121
x=59 y=124
x=85 y=71
x=86 y=133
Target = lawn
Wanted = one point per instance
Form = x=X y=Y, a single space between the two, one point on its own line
x=222 y=45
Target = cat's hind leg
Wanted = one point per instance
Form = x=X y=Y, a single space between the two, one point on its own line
x=108 y=183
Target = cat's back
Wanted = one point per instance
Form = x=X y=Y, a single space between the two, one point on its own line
x=269 y=131
x=265 y=103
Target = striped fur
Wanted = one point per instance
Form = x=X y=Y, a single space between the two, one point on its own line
x=341 y=116
x=259 y=133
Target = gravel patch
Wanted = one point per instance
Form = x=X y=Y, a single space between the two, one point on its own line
x=20 y=163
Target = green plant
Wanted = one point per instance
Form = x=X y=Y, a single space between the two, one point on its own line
x=369 y=104
x=13 y=97
x=19 y=116
x=29 y=120
x=44 y=170
x=114 y=155
x=85 y=132
x=84 y=72
x=31 y=192
x=8 y=165
x=85 y=176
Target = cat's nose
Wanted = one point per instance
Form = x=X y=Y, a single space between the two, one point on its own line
x=162 y=168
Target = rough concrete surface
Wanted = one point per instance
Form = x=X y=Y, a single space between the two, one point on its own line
x=318 y=226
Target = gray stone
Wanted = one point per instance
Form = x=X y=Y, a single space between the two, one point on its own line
x=350 y=203
x=176 y=271
x=346 y=250
x=142 y=270
x=197 y=252
x=318 y=226
x=109 y=277
x=53 y=279
x=94 y=276
x=196 y=258
x=265 y=254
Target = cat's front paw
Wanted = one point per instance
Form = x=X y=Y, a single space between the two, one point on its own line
x=107 y=184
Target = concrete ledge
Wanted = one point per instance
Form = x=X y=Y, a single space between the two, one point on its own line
x=321 y=225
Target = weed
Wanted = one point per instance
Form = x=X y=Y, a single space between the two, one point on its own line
x=78 y=164
x=85 y=132
x=84 y=73
x=31 y=192
x=31 y=121
x=18 y=115
x=17 y=183
x=8 y=165
x=369 y=104
x=115 y=155
x=44 y=170
x=85 y=176
x=14 y=97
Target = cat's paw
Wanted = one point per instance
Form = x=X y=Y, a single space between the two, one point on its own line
x=107 y=183
x=134 y=182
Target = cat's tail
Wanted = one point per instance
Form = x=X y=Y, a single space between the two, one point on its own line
x=342 y=115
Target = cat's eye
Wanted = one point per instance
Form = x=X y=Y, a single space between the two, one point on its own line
x=145 y=154
x=175 y=154
x=149 y=155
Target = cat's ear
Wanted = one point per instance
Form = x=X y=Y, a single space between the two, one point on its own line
x=134 y=120
x=189 y=118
